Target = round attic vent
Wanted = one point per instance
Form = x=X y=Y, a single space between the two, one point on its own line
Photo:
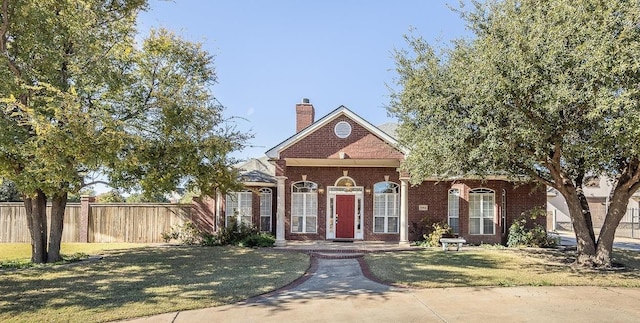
x=342 y=129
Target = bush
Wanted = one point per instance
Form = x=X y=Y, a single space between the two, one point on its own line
x=524 y=232
x=235 y=234
x=258 y=240
x=186 y=233
x=209 y=240
x=437 y=231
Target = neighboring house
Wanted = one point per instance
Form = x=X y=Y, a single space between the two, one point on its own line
x=338 y=178
x=597 y=190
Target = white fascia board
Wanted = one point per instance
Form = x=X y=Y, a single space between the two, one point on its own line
x=274 y=153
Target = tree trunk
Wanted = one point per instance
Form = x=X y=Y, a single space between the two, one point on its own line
x=58 y=205
x=36 y=209
x=586 y=211
x=615 y=213
x=582 y=227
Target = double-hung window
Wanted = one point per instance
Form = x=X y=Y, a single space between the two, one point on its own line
x=266 y=202
x=386 y=207
x=481 y=211
x=238 y=208
x=304 y=207
x=454 y=210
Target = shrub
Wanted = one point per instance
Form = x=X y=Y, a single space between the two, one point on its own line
x=258 y=240
x=239 y=234
x=437 y=231
x=186 y=233
x=524 y=232
x=209 y=240
x=234 y=233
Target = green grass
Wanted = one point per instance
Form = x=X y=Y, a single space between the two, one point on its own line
x=21 y=252
x=137 y=282
x=431 y=268
x=18 y=255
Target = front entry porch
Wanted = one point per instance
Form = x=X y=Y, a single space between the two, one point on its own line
x=343 y=207
x=344 y=211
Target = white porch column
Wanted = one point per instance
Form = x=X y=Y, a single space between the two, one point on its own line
x=404 y=211
x=280 y=240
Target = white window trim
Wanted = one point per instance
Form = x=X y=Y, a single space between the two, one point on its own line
x=305 y=213
x=483 y=192
x=454 y=195
x=264 y=192
x=395 y=197
x=240 y=214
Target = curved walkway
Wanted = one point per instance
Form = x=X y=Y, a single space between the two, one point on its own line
x=336 y=290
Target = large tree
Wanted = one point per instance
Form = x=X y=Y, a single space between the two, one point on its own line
x=9 y=192
x=547 y=90
x=79 y=96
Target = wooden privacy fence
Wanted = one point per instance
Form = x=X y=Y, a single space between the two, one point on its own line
x=111 y=222
x=13 y=222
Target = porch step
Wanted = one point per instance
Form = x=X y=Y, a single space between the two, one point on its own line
x=343 y=240
x=336 y=254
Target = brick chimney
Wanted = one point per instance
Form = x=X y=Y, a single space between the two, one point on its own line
x=304 y=115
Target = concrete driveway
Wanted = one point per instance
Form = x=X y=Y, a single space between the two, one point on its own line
x=335 y=290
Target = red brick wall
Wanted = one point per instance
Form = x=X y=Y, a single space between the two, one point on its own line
x=519 y=198
x=305 y=115
x=323 y=143
x=203 y=213
x=327 y=176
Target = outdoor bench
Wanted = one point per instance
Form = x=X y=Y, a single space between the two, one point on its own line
x=446 y=241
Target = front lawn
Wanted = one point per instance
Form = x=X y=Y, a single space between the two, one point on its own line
x=431 y=268
x=21 y=252
x=138 y=282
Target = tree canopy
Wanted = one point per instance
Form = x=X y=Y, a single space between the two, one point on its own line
x=547 y=90
x=144 y=198
x=78 y=95
x=112 y=196
x=9 y=192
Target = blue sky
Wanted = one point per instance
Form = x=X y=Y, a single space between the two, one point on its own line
x=271 y=54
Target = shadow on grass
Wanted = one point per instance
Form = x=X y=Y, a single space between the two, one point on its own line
x=433 y=266
x=138 y=282
x=505 y=267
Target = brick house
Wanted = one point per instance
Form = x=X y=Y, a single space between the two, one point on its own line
x=338 y=178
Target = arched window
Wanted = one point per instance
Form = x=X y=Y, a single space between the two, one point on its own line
x=345 y=182
x=481 y=211
x=238 y=208
x=304 y=207
x=386 y=207
x=266 y=207
x=454 y=210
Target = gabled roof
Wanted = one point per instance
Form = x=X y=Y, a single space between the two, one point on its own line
x=261 y=164
x=274 y=153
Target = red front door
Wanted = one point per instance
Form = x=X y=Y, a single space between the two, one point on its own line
x=345 y=214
